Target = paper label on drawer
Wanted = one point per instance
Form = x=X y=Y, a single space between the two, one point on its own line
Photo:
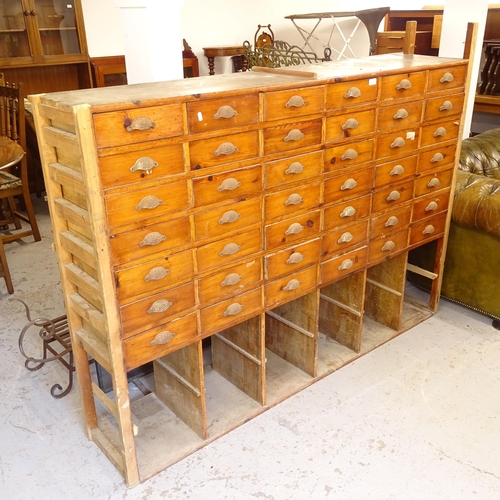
x=200 y=116
x=410 y=136
x=372 y=81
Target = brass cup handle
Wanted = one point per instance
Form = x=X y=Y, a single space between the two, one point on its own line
x=434 y=182
x=446 y=106
x=226 y=148
x=231 y=279
x=140 y=123
x=399 y=142
x=446 y=78
x=156 y=274
x=428 y=229
x=163 y=338
x=348 y=212
x=229 y=184
x=294 y=228
x=431 y=206
x=345 y=264
x=152 y=239
x=352 y=92
x=388 y=246
x=350 y=123
x=293 y=284
x=400 y=114
x=295 y=168
x=232 y=309
x=159 y=306
x=394 y=195
x=348 y=184
x=225 y=112
x=296 y=101
x=229 y=217
x=349 y=154
x=437 y=157
x=144 y=164
x=404 y=84
x=229 y=249
x=345 y=238
x=391 y=221
x=149 y=202
x=294 y=199
x=397 y=170
x=294 y=135
x=295 y=258
x=440 y=132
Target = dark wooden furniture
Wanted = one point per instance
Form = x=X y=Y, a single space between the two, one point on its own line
x=408 y=41
x=109 y=71
x=222 y=51
x=189 y=61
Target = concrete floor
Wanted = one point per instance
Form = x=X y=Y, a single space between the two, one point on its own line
x=418 y=418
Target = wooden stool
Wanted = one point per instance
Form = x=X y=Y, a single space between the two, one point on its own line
x=223 y=51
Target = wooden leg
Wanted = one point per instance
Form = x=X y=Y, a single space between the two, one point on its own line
x=211 y=65
x=4 y=269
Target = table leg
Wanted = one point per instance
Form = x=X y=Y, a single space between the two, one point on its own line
x=211 y=65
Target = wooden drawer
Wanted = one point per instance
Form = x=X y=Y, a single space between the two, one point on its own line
x=344 y=94
x=147 y=240
x=291 y=231
x=141 y=165
x=439 y=108
x=347 y=211
x=293 y=103
x=403 y=85
x=223 y=252
x=156 y=310
x=353 y=124
x=291 y=259
x=392 y=196
x=437 y=157
x=291 y=287
x=403 y=142
x=400 y=116
x=349 y=185
x=231 y=312
x=133 y=206
x=135 y=125
x=431 y=204
x=427 y=229
x=159 y=341
x=292 y=136
x=286 y=203
x=227 y=187
x=438 y=133
x=231 y=281
x=444 y=79
x=433 y=181
x=226 y=149
x=293 y=169
x=230 y=218
x=218 y=114
x=343 y=265
x=343 y=238
x=153 y=276
x=348 y=155
x=386 y=246
x=390 y=222
x=395 y=171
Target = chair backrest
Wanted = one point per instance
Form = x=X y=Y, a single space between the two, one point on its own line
x=12 y=119
x=397 y=41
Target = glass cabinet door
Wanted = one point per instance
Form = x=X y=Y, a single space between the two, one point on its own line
x=14 y=41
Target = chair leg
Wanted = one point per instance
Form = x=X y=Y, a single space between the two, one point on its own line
x=4 y=269
x=13 y=212
x=31 y=215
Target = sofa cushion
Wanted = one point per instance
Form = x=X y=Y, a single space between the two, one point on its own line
x=481 y=154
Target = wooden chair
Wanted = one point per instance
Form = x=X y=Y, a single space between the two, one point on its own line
x=397 y=41
x=4 y=269
x=14 y=187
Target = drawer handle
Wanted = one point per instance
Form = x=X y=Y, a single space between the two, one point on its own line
x=141 y=123
x=446 y=78
x=226 y=148
x=295 y=168
x=428 y=229
x=291 y=285
x=349 y=154
x=296 y=101
x=348 y=212
x=394 y=195
x=404 y=84
x=229 y=249
x=391 y=221
x=231 y=279
x=397 y=170
x=348 y=184
x=159 y=306
x=295 y=258
x=352 y=92
x=399 y=142
x=145 y=163
x=153 y=238
x=350 y=123
x=225 y=112
x=346 y=264
x=149 y=202
x=294 y=199
x=437 y=157
x=157 y=273
x=446 y=106
x=229 y=216
x=388 y=246
x=431 y=206
x=400 y=114
x=232 y=310
x=294 y=228
x=345 y=238
x=163 y=338
x=440 y=132
x=294 y=135
x=434 y=182
x=229 y=184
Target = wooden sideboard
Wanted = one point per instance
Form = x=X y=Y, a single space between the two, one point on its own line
x=270 y=211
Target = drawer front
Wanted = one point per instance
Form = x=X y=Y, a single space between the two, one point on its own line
x=344 y=94
x=138 y=125
x=227 y=187
x=139 y=205
x=399 y=116
x=293 y=169
x=437 y=157
x=440 y=108
x=395 y=171
x=390 y=222
x=381 y=248
x=223 y=252
x=344 y=238
x=428 y=229
x=447 y=78
x=348 y=155
x=292 y=231
x=156 y=310
x=349 y=185
x=438 y=133
x=142 y=165
x=292 y=259
x=403 y=85
x=230 y=281
x=343 y=265
x=353 y=124
x=433 y=181
x=147 y=240
x=227 y=149
x=347 y=211
x=404 y=142
x=291 y=287
x=286 y=203
x=293 y=103
x=159 y=341
x=392 y=196
x=226 y=219
x=230 y=312
x=219 y=114
x=430 y=205
x=153 y=276
x=292 y=136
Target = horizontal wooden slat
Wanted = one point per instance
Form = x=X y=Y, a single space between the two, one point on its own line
x=66 y=176
x=59 y=138
x=78 y=247
x=114 y=455
x=82 y=280
x=87 y=311
x=94 y=348
x=72 y=213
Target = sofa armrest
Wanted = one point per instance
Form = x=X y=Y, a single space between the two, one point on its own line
x=481 y=154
